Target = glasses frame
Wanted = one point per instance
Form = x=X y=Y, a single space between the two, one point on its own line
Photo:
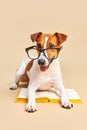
x=41 y=51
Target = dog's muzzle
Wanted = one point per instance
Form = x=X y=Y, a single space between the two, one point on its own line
x=42 y=64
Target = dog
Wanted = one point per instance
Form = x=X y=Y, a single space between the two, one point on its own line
x=43 y=71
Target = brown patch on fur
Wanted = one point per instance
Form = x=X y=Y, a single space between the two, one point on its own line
x=35 y=36
x=55 y=39
x=29 y=65
x=60 y=37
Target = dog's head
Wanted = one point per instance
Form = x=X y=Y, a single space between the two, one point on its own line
x=48 y=46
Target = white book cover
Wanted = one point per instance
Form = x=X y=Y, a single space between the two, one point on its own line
x=48 y=96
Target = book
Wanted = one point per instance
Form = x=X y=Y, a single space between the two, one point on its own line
x=48 y=96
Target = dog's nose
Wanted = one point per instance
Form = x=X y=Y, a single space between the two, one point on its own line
x=41 y=61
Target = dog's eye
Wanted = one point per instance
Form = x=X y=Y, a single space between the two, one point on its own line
x=52 y=45
x=39 y=46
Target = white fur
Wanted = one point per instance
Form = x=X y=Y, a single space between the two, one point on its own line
x=43 y=81
x=42 y=55
x=45 y=44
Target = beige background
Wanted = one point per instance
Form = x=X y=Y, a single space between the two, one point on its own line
x=18 y=19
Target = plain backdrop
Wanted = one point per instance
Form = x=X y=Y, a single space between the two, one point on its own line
x=19 y=19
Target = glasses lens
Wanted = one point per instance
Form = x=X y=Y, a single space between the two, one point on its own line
x=51 y=53
x=33 y=53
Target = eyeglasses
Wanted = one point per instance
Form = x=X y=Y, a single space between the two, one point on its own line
x=50 y=53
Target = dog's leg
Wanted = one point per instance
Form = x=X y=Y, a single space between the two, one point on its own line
x=14 y=85
x=61 y=92
x=21 y=74
x=18 y=77
x=31 y=105
x=60 y=89
x=65 y=103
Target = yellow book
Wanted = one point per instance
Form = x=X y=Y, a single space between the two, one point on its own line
x=48 y=96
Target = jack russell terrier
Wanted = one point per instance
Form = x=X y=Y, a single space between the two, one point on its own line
x=41 y=69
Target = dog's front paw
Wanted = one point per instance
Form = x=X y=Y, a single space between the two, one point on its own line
x=66 y=104
x=31 y=107
x=13 y=86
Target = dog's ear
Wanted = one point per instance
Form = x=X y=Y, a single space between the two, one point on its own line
x=35 y=36
x=61 y=37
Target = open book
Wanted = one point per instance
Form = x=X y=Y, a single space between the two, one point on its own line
x=48 y=96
